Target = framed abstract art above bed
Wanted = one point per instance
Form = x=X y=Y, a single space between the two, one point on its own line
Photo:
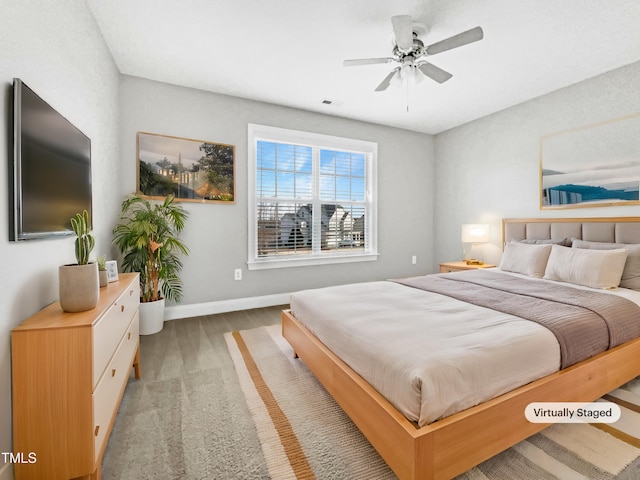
x=594 y=165
x=448 y=423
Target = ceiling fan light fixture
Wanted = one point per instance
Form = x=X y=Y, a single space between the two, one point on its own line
x=416 y=76
x=410 y=73
x=407 y=69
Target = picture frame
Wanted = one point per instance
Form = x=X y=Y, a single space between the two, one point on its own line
x=190 y=170
x=112 y=270
x=592 y=166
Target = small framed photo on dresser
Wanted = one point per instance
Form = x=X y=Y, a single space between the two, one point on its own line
x=112 y=271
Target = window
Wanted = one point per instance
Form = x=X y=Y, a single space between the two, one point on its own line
x=311 y=198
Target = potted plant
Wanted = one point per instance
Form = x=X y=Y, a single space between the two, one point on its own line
x=79 y=286
x=147 y=237
x=102 y=270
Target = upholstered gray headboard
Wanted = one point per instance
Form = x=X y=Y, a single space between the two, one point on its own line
x=598 y=229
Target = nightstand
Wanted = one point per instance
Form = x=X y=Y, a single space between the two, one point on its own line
x=447 y=267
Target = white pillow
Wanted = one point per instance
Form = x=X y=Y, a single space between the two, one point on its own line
x=591 y=268
x=525 y=258
x=631 y=273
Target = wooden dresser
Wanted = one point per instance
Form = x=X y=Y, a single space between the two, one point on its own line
x=69 y=371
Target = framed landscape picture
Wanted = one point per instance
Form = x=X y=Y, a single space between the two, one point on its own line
x=190 y=170
x=592 y=166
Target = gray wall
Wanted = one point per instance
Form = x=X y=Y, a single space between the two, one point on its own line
x=489 y=169
x=57 y=50
x=217 y=234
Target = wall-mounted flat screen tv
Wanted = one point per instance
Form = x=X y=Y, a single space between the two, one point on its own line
x=51 y=170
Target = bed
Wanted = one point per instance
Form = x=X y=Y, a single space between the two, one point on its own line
x=451 y=443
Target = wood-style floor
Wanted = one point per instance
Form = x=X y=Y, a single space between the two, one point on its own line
x=186 y=417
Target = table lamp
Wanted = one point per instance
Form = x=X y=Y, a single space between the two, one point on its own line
x=473 y=234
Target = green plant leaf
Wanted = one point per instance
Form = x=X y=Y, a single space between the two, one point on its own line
x=141 y=222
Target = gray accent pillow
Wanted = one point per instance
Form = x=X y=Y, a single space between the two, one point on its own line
x=631 y=272
x=565 y=242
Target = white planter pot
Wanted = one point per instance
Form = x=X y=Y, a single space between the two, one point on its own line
x=79 y=287
x=151 y=317
x=104 y=279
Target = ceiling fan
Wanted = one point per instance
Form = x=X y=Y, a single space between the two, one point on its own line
x=409 y=51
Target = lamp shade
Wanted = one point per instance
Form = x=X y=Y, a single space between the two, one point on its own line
x=475 y=233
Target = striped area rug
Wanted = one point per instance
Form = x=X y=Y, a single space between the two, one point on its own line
x=304 y=434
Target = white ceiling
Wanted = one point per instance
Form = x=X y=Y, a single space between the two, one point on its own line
x=290 y=52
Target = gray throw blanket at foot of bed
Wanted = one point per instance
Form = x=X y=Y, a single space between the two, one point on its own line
x=585 y=322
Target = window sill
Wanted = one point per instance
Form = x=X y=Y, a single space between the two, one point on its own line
x=267 y=263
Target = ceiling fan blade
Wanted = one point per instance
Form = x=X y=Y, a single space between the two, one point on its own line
x=366 y=61
x=387 y=80
x=434 y=73
x=403 y=30
x=458 y=40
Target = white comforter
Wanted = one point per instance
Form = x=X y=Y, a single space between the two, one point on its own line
x=428 y=354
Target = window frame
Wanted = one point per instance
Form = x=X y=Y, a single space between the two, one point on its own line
x=316 y=141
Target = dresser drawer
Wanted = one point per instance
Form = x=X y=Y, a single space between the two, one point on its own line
x=107 y=393
x=109 y=330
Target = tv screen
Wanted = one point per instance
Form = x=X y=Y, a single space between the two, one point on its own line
x=51 y=169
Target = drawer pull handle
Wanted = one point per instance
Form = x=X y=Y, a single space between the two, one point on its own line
x=113 y=372
x=96 y=431
x=122 y=308
x=129 y=336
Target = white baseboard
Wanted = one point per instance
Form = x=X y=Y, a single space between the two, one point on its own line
x=175 y=312
x=6 y=472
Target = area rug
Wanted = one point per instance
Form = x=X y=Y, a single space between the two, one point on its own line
x=304 y=434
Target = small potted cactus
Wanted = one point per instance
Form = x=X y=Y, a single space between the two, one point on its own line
x=78 y=282
x=102 y=270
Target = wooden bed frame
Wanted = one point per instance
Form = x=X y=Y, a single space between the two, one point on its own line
x=451 y=446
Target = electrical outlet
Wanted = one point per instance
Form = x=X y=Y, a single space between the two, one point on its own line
x=237 y=274
x=414 y=260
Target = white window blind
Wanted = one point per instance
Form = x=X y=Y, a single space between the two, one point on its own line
x=312 y=198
